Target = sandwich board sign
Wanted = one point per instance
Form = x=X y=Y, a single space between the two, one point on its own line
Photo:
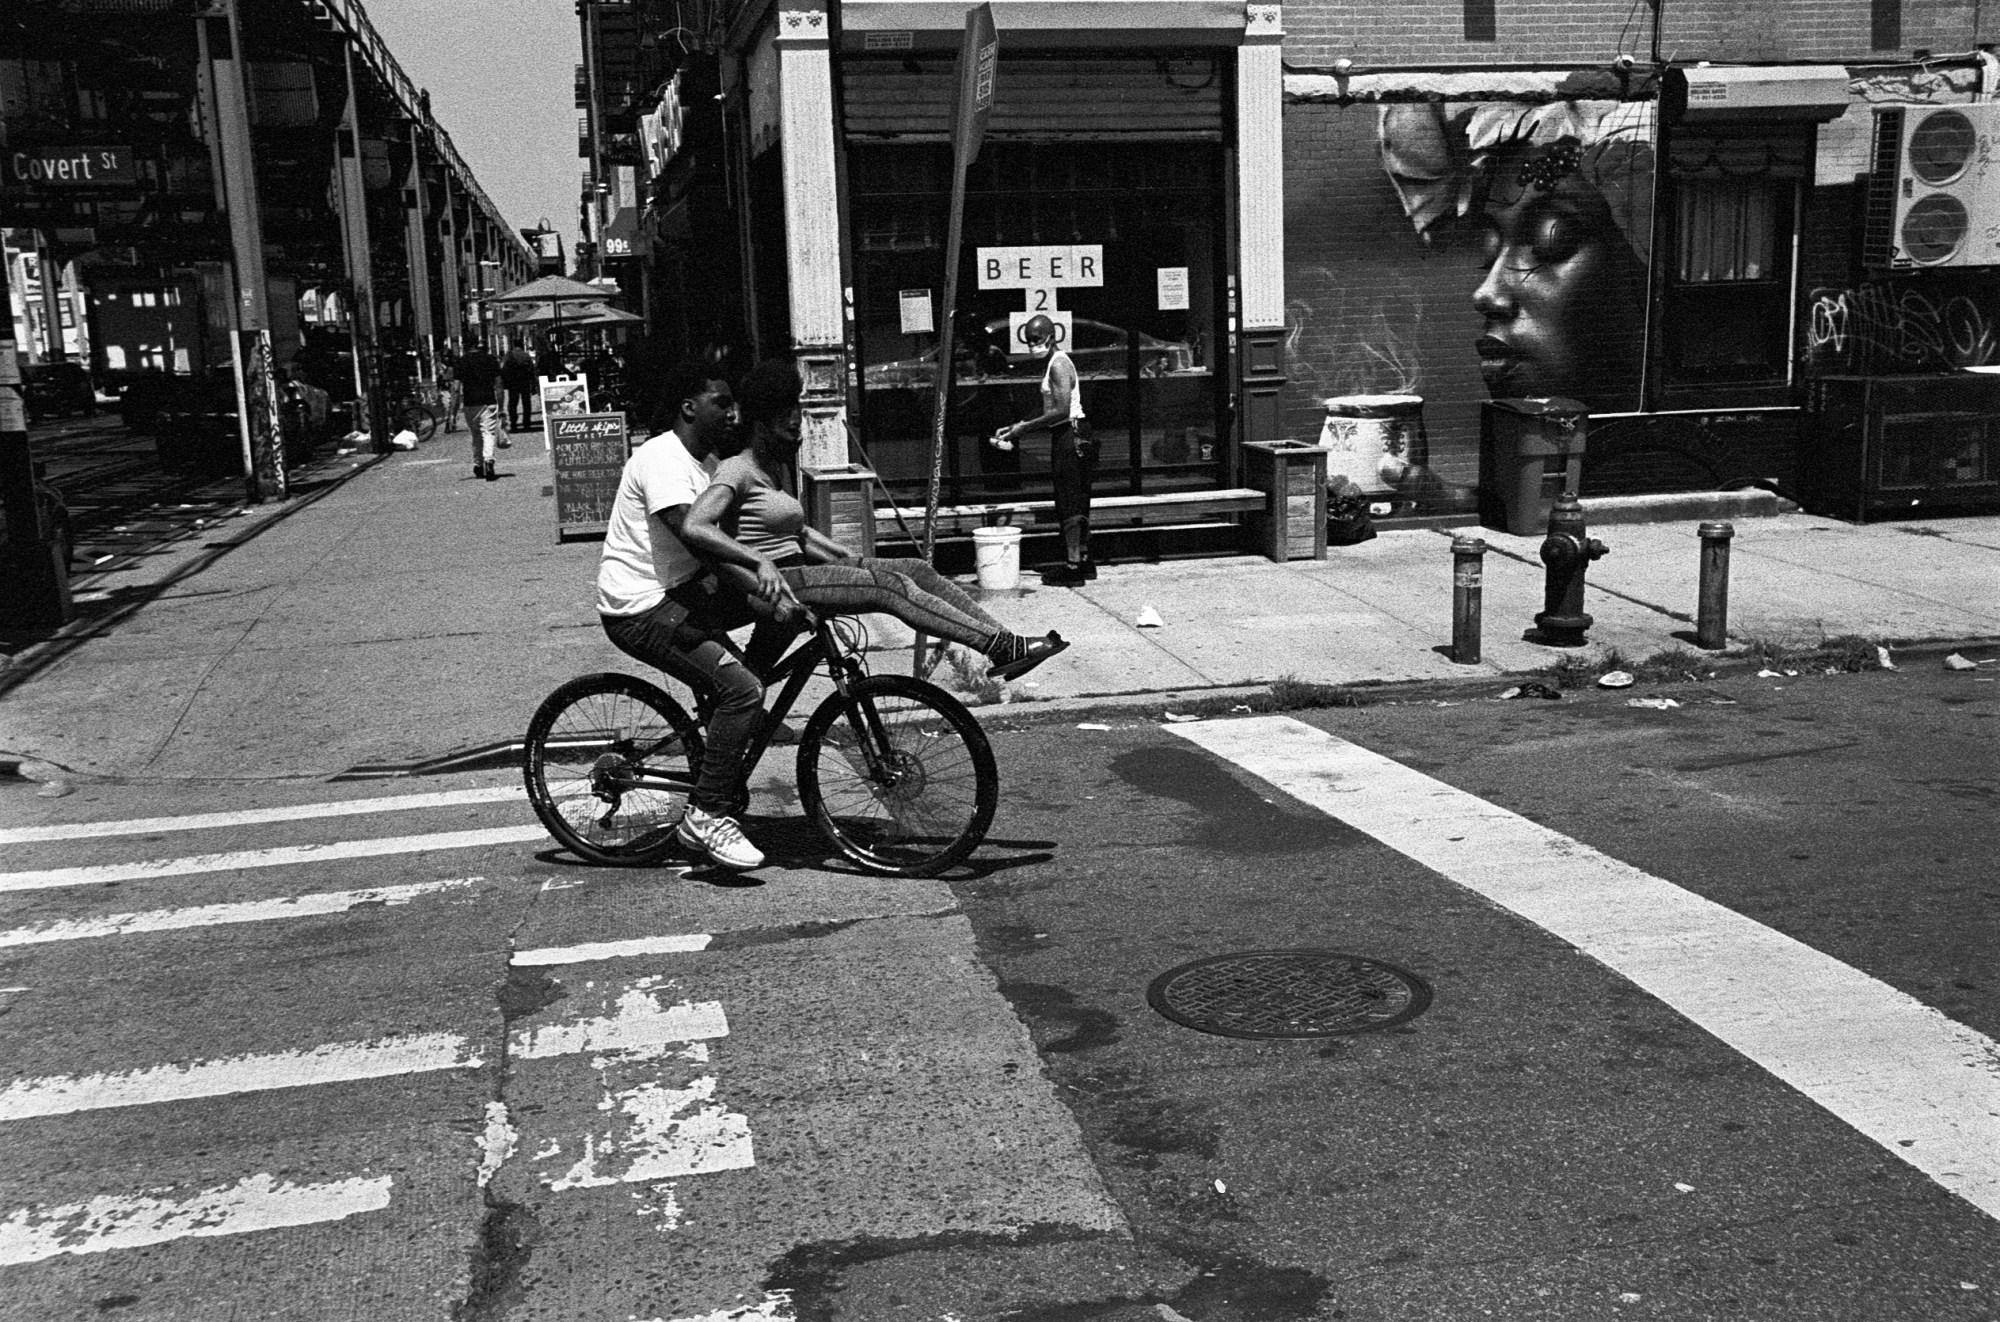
x=587 y=452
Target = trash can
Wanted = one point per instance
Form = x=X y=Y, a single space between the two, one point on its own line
x=1530 y=453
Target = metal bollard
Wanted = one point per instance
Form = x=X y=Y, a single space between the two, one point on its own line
x=1711 y=629
x=1468 y=558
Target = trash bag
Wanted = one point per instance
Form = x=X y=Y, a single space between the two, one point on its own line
x=1347 y=521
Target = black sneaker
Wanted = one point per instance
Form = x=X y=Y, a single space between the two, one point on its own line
x=1067 y=576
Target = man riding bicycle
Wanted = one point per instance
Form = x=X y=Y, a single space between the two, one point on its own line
x=662 y=606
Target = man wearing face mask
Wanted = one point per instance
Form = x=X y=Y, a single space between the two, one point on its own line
x=1072 y=451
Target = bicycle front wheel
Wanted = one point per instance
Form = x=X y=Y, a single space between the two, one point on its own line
x=609 y=761
x=898 y=776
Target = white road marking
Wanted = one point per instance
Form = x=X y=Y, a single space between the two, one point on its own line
x=125 y=1222
x=153 y=869
x=657 y=1133
x=334 y=1062
x=640 y=1028
x=1923 y=1086
x=297 y=812
x=775 y=1307
x=645 y=945
x=213 y=915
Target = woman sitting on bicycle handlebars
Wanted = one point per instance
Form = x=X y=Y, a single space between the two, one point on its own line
x=744 y=508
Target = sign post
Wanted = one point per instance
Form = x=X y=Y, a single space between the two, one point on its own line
x=978 y=73
x=587 y=452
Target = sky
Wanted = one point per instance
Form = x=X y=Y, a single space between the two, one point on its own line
x=501 y=74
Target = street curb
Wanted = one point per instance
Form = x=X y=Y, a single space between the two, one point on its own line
x=1383 y=693
x=37 y=657
x=1011 y=716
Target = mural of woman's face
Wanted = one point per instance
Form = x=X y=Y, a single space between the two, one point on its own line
x=1564 y=294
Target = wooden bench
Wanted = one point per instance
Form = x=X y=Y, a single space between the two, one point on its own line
x=1106 y=512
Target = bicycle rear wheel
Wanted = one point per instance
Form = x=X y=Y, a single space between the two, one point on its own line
x=420 y=418
x=898 y=776
x=608 y=762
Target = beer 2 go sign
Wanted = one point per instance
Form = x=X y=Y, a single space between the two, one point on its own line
x=67 y=166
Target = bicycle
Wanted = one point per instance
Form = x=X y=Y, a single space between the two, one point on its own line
x=893 y=771
x=420 y=409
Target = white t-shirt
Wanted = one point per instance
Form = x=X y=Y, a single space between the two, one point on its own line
x=641 y=558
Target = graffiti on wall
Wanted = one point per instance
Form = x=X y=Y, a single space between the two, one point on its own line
x=1562 y=195
x=1891 y=327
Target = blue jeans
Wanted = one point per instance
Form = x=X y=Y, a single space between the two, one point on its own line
x=667 y=639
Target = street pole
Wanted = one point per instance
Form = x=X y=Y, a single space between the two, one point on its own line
x=259 y=426
x=360 y=269
x=978 y=70
x=211 y=113
x=54 y=350
x=31 y=563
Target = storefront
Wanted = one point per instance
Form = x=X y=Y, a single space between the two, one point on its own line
x=1133 y=162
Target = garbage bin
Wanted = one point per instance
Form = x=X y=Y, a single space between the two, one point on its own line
x=1530 y=453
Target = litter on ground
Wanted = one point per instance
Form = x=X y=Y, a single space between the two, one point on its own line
x=1652 y=704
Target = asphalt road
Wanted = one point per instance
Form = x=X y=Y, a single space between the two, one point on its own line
x=380 y=1062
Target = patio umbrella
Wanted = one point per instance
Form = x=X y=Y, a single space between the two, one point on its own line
x=553 y=290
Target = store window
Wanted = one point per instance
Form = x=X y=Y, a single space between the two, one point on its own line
x=1727 y=305
x=1148 y=340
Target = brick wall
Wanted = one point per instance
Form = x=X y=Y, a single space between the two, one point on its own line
x=1428 y=32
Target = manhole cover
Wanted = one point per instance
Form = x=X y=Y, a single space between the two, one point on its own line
x=1288 y=993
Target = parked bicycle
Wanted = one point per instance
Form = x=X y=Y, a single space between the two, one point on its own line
x=894 y=771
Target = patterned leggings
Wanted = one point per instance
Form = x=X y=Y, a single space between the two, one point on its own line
x=910 y=590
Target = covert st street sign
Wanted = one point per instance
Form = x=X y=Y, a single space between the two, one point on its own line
x=66 y=166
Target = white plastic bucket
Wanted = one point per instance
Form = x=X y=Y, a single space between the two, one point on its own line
x=997 y=553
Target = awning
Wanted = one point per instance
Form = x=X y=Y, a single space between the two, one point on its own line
x=1798 y=92
x=893 y=25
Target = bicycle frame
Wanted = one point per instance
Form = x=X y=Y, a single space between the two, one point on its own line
x=795 y=670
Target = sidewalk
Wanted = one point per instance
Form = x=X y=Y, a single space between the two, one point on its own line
x=413 y=611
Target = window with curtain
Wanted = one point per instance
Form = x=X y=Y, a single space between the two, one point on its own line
x=1728 y=299
x=1728 y=229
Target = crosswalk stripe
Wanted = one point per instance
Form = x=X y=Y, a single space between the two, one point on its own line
x=638 y=1025
x=583 y=954
x=112 y=1221
x=1904 y=1075
x=152 y=869
x=214 y=915
x=297 y=812
x=334 y=1062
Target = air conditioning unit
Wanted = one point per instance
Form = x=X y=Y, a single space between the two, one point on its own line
x=1934 y=191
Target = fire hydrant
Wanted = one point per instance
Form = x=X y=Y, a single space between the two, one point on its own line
x=1567 y=553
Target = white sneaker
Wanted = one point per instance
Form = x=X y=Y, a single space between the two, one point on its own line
x=718 y=837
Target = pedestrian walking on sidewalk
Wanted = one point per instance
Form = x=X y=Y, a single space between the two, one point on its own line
x=479 y=378
x=1072 y=451
x=660 y=606
x=749 y=525
x=517 y=374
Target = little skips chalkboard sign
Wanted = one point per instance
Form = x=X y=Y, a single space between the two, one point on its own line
x=587 y=452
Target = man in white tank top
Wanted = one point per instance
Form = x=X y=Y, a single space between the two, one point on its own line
x=1072 y=452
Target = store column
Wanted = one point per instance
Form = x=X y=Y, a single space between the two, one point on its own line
x=812 y=231
x=1260 y=222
